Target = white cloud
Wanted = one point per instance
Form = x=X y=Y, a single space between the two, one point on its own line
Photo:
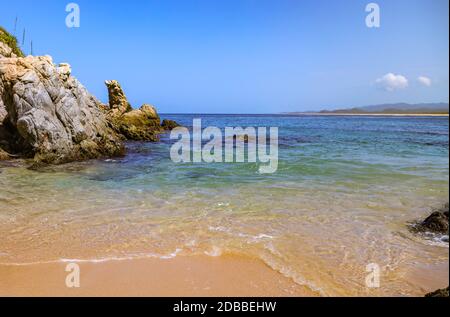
x=392 y=82
x=424 y=81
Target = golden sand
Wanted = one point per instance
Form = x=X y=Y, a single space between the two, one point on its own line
x=182 y=276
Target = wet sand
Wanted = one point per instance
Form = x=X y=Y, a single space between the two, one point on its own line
x=181 y=276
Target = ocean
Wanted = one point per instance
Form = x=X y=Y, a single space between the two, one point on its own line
x=344 y=193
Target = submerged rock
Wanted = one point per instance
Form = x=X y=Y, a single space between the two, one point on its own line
x=437 y=222
x=46 y=114
x=439 y=293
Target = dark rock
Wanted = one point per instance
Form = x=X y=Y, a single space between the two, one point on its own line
x=438 y=293
x=169 y=125
x=437 y=222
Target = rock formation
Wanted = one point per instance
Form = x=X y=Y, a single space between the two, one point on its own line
x=6 y=51
x=437 y=222
x=46 y=114
x=8 y=45
x=168 y=125
x=143 y=124
x=118 y=102
x=438 y=293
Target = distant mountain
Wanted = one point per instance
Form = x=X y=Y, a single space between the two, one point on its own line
x=397 y=108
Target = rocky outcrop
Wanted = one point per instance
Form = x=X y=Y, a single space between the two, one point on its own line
x=8 y=45
x=439 y=293
x=118 y=102
x=46 y=114
x=5 y=51
x=169 y=125
x=143 y=124
x=437 y=222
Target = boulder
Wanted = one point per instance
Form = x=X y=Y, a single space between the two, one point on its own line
x=169 y=125
x=46 y=114
x=141 y=124
x=438 y=293
x=437 y=222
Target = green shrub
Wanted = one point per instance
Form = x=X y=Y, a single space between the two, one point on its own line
x=11 y=41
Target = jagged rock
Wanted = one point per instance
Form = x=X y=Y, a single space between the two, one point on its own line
x=150 y=111
x=139 y=125
x=437 y=222
x=169 y=125
x=47 y=114
x=143 y=124
x=6 y=51
x=118 y=102
x=8 y=45
x=439 y=293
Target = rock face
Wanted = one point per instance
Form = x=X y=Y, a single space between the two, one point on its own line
x=437 y=222
x=118 y=102
x=45 y=113
x=143 y=124
x=6 y=51
x=8 y=45
x=169 y=125
x=439 y=293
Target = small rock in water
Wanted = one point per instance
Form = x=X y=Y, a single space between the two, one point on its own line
x=437 y=222
x=169 y=125
x=438 y=293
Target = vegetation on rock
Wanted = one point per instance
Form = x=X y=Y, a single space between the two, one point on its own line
x=11 y=41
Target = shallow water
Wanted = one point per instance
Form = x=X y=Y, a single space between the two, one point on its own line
x=344 y=191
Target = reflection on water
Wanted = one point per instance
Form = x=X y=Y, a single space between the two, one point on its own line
x=343 y=194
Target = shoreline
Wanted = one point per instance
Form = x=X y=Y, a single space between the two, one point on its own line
x=228 y=275
x=184 y=276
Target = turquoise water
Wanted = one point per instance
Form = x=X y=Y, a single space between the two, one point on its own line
x=344 y=191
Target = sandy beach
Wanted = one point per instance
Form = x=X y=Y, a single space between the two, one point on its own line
x=182 y=276
x=192 y=276
x=337 y=204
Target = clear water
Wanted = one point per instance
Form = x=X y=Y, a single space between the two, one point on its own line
x=345 y=189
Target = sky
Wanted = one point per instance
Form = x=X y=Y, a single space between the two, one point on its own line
x=246 y=56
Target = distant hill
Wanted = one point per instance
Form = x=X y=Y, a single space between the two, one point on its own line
x=397 y=108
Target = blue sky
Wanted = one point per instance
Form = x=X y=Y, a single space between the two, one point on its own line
x=246 y=56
